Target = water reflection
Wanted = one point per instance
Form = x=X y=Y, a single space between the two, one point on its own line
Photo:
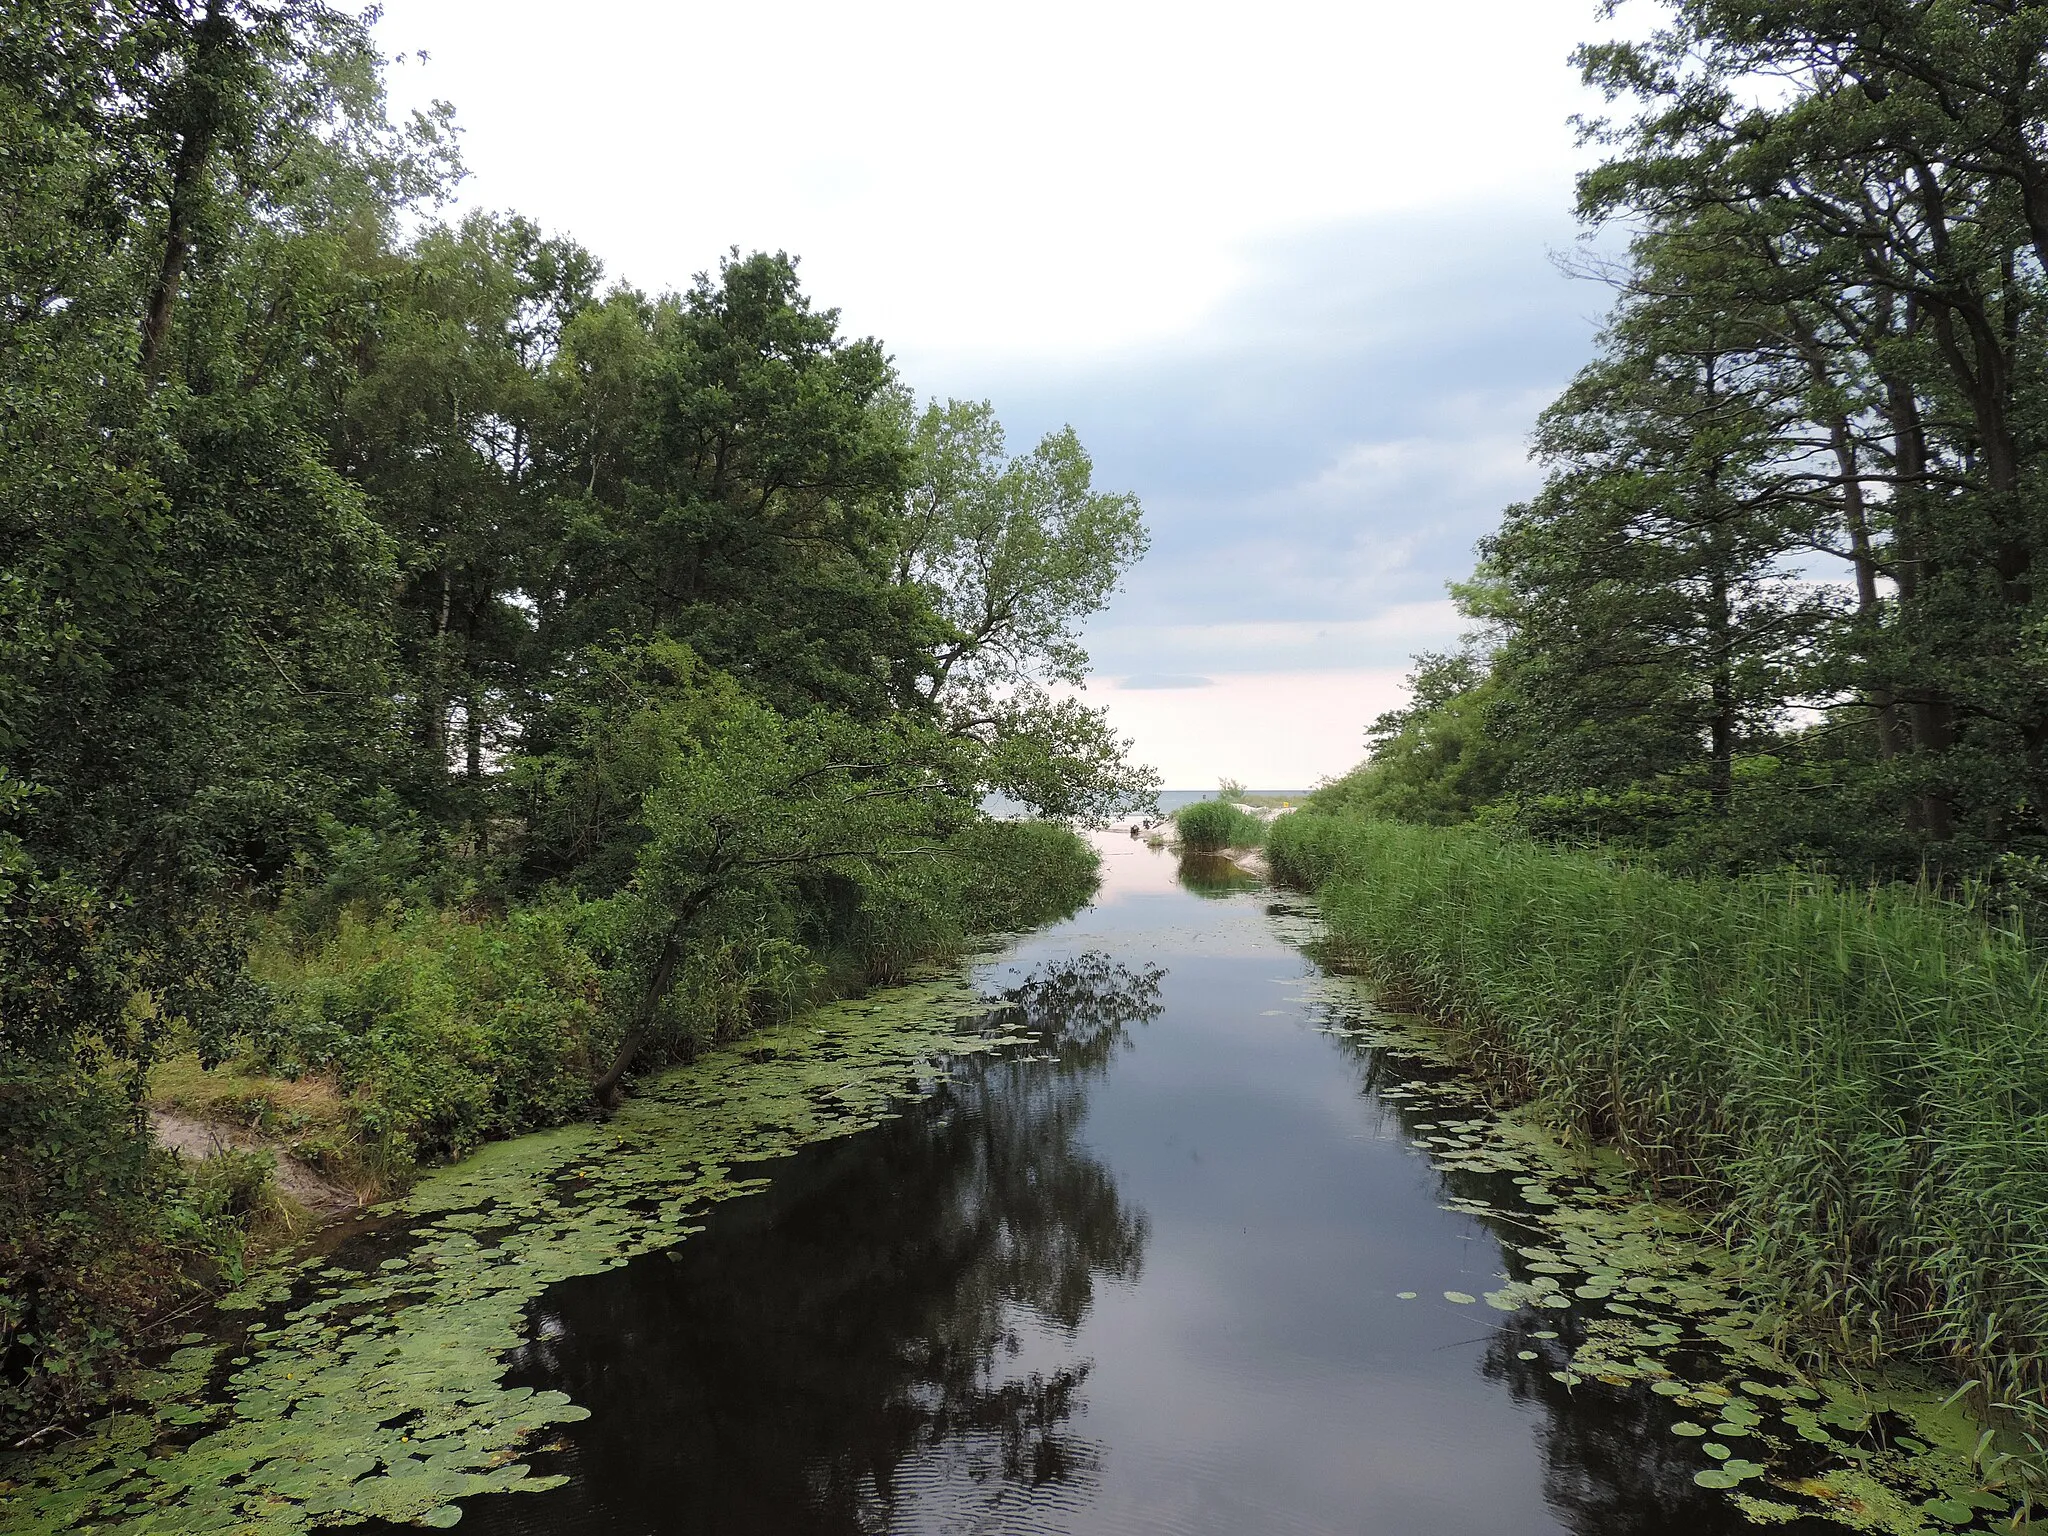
x=1214 y=876
x=1610 y=1464
x=1126 y=1280
x=891 y=1323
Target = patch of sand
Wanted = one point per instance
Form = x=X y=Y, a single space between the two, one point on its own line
x=197 y=1140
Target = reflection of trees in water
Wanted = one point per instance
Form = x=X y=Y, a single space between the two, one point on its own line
x=1611 y=1465
x=1084 y=1007
x=1214 y=876
x=864 y=1323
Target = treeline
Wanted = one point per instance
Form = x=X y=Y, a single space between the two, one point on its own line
x=545 y=677
x=1780 y=595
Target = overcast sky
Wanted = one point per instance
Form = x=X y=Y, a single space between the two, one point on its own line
x=1286 y=269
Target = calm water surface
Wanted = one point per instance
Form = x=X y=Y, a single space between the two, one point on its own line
x=1143 y=1280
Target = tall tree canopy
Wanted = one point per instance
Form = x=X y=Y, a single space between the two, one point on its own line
x=1779 y=593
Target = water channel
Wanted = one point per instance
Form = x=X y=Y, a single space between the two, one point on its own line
x=1156 y=1227
x=1183 y=1267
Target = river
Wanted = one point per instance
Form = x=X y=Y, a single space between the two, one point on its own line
x=1181 y=1269
x=1155 y=1227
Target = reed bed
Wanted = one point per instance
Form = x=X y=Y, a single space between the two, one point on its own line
x=1852 y=1085
x=1210 y=826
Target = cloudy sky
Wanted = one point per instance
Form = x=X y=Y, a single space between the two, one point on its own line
x=1286 y=269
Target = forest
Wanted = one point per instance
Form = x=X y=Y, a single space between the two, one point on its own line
x=440 y=681
x=1778 y=597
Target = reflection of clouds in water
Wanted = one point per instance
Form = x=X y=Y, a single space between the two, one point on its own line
x=886 y=1338
x=1130 y=870
x=1146 y=1285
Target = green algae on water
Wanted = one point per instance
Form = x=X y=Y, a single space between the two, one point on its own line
x=377 y=1391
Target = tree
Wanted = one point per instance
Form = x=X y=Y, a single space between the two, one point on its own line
x=748 y=506
x=446 y=421
x=1013 y=555
x=191 y=660
x=761 y=802
x=1435 y=760
x=1897 y=170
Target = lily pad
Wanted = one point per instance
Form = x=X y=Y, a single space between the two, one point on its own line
x=400 y=1366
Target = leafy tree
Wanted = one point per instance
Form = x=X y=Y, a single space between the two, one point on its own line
x=747 y=507
x=763 y=801
x=1892 y=174
x=447 y=422
x=1435 y=760
x=191 y=661
x=1013 y=555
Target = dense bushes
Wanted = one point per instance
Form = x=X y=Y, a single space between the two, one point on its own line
x=103 y=1231
x=1855 y=1083
x=1210 y=826
x=443 y=1031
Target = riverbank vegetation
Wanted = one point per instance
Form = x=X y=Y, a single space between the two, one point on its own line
x=1211 y=826
x=1845 y=1083
x=433 y=672
x=1725 y=829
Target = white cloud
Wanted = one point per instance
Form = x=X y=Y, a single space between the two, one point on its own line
x=1038 y=179
x=1384 y=638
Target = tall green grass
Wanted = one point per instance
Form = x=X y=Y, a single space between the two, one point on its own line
x=1853 y=1083
x=1210 y=826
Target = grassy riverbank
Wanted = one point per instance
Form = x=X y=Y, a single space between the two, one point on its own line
x=1854 y=1084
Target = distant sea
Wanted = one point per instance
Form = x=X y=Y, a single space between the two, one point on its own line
x=1171 y=800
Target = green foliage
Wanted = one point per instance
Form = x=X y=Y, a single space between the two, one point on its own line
x=1851 y=1083
x=544 y=670
x=1793 y=512
x=747 y=502
x=1210 y=826
x=1433 y=762
x=442 y=1031
x=1013 y=555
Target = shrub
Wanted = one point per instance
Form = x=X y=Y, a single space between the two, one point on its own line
x=443 y=1031
x=1210 y=826
x=102 y=1232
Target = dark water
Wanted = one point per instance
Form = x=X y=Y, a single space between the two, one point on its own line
x=1145 y=1283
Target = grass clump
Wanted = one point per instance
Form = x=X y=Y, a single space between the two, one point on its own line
x=1853 y=1083
x=1210 y=826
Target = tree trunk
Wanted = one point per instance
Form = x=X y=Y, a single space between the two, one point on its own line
x=202 y=110
x=606 y=1089
x=1930 y=716
x=1721 y=726
x=1869 y=611
x=434 y=704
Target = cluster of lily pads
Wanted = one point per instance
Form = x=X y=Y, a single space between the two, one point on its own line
x=368 y=1382
x=1629 y=1295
